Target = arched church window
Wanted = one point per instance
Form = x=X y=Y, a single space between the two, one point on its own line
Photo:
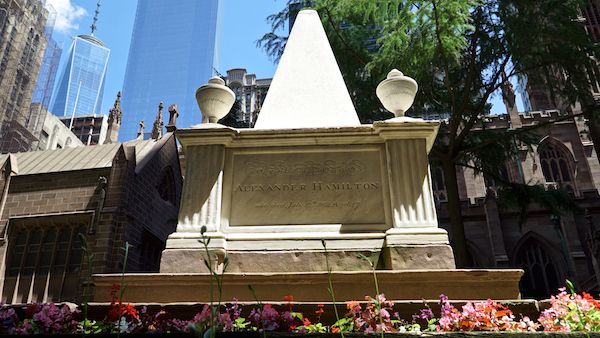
x=543 y=274
x=556 y=165
x=438 y=184
x=166 y=186
x=3 y=17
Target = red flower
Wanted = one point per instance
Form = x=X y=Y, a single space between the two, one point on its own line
x=116 y=311
x=289 y=299
x=335 y=329
x=320 y=310
x=590 y=299
x=306 y=322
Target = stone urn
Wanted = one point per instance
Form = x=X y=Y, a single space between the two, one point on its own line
x=214 y=99
x=397 y=92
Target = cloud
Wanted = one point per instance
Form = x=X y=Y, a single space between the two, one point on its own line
x=67 y=15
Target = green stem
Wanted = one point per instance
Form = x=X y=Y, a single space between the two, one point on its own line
x=122 y=286
x=337 y=316
x=260 y=307
x=209 y=264
x=377 y=302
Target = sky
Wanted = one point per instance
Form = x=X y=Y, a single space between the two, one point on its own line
x=242 y=23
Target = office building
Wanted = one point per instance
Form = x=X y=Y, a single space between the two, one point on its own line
x=22 y=44
x=250 y=93
x=81 y=85
x=174 y=49
x=89 y=129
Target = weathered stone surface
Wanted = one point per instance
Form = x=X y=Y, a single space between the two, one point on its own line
x=419 y=257
x=300 y=261
x=312 y=286
x=183 y=260
x=300 y=186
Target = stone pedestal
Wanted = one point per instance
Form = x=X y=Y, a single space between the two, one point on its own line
x=312 y=286
x=269 y=198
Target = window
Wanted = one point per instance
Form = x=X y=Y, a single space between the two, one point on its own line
x=543 y=274
x=166 y=186
x=438 y=184
x=3 y=16
x=43 y=263
x=556 y=164
x=152 y=248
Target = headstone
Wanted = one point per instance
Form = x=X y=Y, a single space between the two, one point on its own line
x=309 y=172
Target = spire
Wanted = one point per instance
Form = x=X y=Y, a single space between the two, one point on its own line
x=307 y=90
x=95 y=19
x=157 y=127
x=509 y=99
x=114 y=121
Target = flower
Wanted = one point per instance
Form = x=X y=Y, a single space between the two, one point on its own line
x=320 y=310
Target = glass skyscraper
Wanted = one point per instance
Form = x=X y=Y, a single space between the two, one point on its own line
x=44 y=85
x=174 y=49
x=81 y=85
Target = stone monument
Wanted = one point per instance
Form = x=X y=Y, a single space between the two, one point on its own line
x=308 y=175
x=308 y=171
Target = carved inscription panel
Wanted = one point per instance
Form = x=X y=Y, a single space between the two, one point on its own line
x=307 y=188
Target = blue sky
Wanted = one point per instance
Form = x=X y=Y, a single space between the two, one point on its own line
x=243 y=22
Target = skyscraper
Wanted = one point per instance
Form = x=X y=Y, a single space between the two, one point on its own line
x=81 y=83
x=22 y=43
x=173 y=51
x=44 y=84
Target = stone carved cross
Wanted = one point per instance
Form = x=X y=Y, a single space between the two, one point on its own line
x=173 y=115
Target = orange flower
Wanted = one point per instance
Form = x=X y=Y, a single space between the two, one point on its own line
x=352 y=304
x=590 y=299
x=335 y=329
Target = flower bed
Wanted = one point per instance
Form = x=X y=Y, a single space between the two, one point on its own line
x=568 y=312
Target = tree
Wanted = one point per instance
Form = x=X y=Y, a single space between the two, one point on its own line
x=461 y=52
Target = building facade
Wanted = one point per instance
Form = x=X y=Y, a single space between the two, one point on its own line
x=55 y=135
x=250 y=93
x=107 y=195
x=22 y=44
x=81 y=85
x=89 y=129
x=174 y=49
x=44 y=86
x=550 y=249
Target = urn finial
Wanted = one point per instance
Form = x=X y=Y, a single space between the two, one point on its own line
x=397 y=92
x=214 y=100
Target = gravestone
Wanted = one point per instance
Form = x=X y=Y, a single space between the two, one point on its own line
x=308 y=172
x=308 y=175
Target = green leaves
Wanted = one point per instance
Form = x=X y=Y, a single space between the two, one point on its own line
x=345 y=324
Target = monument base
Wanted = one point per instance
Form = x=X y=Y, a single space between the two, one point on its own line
x=312 y=287
x=264 y=253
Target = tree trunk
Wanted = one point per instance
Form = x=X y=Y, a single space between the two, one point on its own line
x=458 y=242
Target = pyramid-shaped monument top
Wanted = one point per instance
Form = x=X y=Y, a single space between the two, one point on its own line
x=308 y=90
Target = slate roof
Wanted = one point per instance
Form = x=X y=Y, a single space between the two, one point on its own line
x=82 y=158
